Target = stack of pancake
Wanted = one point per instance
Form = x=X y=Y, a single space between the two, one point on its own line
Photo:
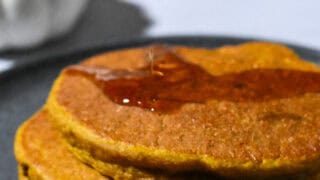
x=159 y=112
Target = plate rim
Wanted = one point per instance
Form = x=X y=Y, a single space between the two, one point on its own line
x=141 y=41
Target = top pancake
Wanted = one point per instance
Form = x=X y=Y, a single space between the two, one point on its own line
x=217 y=135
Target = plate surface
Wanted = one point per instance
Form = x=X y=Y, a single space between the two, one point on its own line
x=23 y=89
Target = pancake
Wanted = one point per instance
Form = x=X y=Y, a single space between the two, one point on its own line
x=262 y=119
x=42 y=154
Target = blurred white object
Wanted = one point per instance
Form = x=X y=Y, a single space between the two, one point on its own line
x=5 y=64
x=26 y=23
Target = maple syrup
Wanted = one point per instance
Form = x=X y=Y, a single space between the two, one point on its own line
x=169 y=81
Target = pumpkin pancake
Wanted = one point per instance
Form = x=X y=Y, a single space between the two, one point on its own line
x=250 y=109
x=42 y=154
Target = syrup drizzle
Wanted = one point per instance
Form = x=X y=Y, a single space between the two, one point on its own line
x=168 y=82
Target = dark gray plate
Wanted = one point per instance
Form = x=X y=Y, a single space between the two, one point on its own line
x=23 y=89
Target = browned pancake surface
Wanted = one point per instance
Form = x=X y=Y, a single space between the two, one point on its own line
x=281 y=128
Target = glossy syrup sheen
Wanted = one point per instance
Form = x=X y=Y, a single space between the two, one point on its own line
x=168 y=82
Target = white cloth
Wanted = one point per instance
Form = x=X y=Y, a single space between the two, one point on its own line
x=26 y=23
x=5 y=65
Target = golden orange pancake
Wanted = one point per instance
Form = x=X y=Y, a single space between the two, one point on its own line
x=262 y=119
x=42 y=154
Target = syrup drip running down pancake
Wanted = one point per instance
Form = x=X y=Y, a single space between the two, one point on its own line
x=169 y=82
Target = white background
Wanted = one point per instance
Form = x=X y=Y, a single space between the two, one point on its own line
x=294 y=21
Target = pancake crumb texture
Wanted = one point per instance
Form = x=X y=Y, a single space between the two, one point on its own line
x=275 y=136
